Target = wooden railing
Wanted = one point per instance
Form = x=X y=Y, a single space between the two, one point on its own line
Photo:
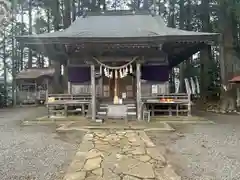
x=147 y=89
x=31 y=97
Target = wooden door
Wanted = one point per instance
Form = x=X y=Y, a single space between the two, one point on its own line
x=124 y=85
x=111 y=87
x=127 y=85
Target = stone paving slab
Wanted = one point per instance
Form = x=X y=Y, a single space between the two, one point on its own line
x=119 y=155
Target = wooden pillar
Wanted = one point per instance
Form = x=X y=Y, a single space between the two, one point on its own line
x=47 y=90
x=221 y=60
x=138 y=95
x=56 y=79
x=69 y=87
x=101 y=83
x=37 y=94
x=93 y=92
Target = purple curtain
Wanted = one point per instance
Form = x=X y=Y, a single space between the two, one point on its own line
x=79 y=74
x=149 y=73
x=155 y=73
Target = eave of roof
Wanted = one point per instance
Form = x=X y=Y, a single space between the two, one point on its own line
x=117 y=40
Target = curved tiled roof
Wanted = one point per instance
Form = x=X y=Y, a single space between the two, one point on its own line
x=116 y=25
x=35 y=73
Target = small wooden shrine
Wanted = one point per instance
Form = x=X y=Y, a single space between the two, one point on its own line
x=122 y=59
x=34 y=84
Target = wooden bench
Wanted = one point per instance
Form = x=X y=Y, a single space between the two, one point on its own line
x=70 y=96
x=66 y=103
x=177 y=103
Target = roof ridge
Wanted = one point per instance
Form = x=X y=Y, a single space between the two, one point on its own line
x=119 y=12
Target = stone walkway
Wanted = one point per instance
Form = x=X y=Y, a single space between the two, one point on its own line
x=119 y=155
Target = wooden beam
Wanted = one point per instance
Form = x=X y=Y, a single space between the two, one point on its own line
x=100 y=82
x=160 y=60
x=120 y=53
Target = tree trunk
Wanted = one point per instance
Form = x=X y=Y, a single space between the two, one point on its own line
x=30 y=32
x=14 y=96
x=79 y=6
x=181 y=25
x=74 y=12
x=5 y=69
x=56 y=64
x=66 y=23
x=49 y=29
x=228 y=98
x=22 y=31
x=171 y=23
x=205 y=53
x=67 y=14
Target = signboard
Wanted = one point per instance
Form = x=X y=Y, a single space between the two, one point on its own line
x=187 y=85
x=193 y=85
x=197 y=85
x=177 y=86
x=154 y=89
x=124 y=95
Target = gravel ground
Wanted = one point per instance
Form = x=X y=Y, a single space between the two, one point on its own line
x=204 y=152
x=33 y=152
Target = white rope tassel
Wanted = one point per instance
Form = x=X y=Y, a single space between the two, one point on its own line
x=108 y=73
x=125 y=72
x=111 y=75
x=105 y=71
x=100 y=70
x=131 y=69
x=121 y=73
x=116 y=74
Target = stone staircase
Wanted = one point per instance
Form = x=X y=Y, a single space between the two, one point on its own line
x=131 y=111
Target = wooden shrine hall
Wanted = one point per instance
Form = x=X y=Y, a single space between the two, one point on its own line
x=117 y=62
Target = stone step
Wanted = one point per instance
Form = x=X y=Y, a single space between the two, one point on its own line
x=131 y=111
x=105 y=108
x=105 y=113
x=101 y=113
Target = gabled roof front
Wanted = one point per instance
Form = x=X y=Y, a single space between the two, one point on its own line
x=117 y=25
